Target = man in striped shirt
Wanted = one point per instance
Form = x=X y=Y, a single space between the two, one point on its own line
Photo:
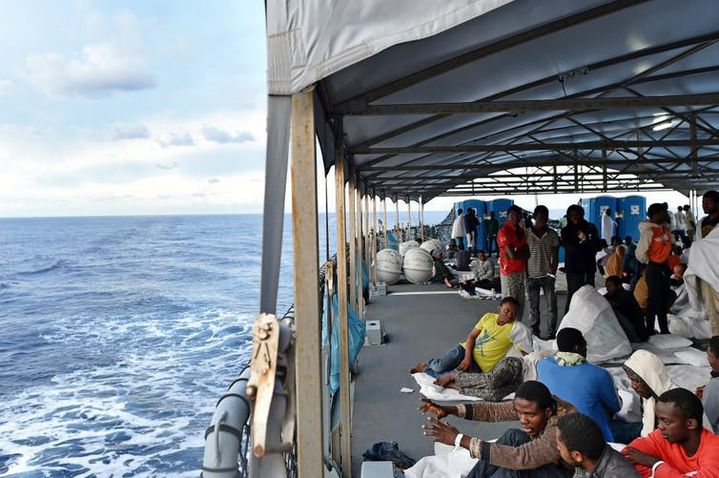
x=541 y=272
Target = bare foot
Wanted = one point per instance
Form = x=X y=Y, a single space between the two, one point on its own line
x=420 y=367
x=445 y=380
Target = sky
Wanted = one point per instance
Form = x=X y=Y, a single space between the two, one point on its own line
x=140 y=107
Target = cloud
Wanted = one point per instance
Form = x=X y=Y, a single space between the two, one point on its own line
x=213 y=180
x=6 y=87
x=128 y=131
x=180 y=138
x=167 y=166
x=99 y=71
x=217 y=135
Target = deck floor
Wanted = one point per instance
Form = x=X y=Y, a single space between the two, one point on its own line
x=421 y=322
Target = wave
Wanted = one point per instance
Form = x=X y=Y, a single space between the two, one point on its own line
x=54 y=264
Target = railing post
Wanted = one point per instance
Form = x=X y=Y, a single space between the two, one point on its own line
x=375 y=236
x=396 y=212
x=360 y=256
x=409 y=219
x=421 y=218
x=308 y=321
x=367 y=236
x=342 y=298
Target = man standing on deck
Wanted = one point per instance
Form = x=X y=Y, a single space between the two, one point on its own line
x=513 y=255
x=541 y=272
x=491 y=227
x=680 y=225
x=581 y=243
x=528 y=453
x=458 y=230
x=655 y=245
x=690 y=222
x=608 y=225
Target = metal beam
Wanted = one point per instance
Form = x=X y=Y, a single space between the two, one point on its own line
x=478 y=148
x=518 y=106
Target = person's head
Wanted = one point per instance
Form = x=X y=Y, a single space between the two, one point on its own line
x=603 y=243
x=570 y=339
x=507 y=310
x=616 y=241
x=679 y=415
x=628 y=240
x=452 y=245
x=460 y=247
x=608 y=212
x=580 y=441
x=470 y=211
x=481 y=255
x=657 y=213
x=613 y=285
x=541 y=216
x=438 y=254
x=713 y=353
x=491 y=214
x=679 y=209
x=710 y=202
x=686 y=208
x=575 y=214
x=514 y=214
x=535 y=406
x=459 y=211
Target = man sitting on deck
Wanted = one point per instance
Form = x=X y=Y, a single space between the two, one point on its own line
x=441 y=271
x=528 y=453
x=681 y=446
x=570 y=377
x=581 y=443
x=709 y=393
x=627 y=309
x=486 y=344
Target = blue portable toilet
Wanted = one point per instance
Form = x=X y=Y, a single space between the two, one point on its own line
x=601 y=204
x=500 y=206
x=633 y=211
x=480 y=208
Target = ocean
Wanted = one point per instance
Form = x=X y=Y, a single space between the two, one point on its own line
x=119 y=334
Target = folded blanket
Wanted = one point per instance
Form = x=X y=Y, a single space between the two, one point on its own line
x=445 y=463
x=437 y=393
x=702 y=265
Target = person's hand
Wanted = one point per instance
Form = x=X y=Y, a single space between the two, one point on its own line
x=445 y=379
x=465 y=364
x=440 y=432
x=699 y=392
x=637 y=457
x=428 y=406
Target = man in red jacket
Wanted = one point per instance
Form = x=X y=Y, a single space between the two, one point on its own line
x=680 y=446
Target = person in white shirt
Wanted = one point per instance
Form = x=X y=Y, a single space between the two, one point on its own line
x=458 y=230
x=608 y=225
x=680 y=225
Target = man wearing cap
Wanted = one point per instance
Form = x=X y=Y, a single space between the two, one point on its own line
x=654 y=247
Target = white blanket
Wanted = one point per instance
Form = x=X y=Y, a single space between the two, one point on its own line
x=445 y=463
x=702 y=265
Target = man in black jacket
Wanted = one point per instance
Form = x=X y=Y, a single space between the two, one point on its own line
x=627 y=309
x=581 y=244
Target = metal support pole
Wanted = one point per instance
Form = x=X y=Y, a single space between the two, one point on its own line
x=308 y=366
x=342 y=298
x=604 y=169
x=367 y=236
x=353 y=242
x=385 y=228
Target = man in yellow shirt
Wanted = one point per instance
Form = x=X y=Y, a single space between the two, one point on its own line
x=487 y=343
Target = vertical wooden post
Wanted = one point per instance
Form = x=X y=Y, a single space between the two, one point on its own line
x=308 y=366
x=421 y=218
x=352 y=242
x=409 y=219
x=360 y=254
x=396 y=212
x=375 y=236
x=342 y=298
x=385 y=228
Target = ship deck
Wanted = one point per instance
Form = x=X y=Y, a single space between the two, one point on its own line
x=420 y=322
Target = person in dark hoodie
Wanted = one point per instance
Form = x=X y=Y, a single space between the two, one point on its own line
x=627 y=309
x=581 y=244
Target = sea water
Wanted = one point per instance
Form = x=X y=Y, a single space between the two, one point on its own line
x=119 y=334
